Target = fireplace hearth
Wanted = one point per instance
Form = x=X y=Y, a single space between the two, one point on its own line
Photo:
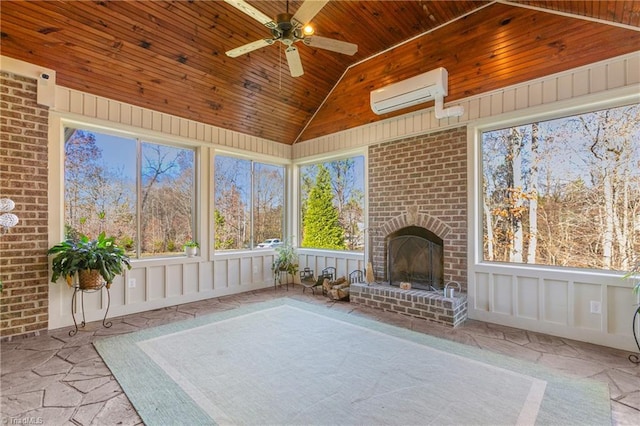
x=427 y=305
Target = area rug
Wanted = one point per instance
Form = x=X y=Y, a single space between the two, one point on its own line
x=286 y=362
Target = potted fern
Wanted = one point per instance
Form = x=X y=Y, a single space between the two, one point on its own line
x=96 y=261
x=286 y=260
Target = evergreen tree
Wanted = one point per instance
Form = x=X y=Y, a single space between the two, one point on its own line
x=321 y=220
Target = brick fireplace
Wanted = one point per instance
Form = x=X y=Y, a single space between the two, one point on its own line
x=420 y=183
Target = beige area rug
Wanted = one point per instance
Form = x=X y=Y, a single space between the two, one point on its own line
x=287 y=362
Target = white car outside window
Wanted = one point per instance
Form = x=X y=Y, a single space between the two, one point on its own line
x=271 y=242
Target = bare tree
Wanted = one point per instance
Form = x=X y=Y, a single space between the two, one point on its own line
x=610 y=134
x=98 y=195
x=532 y=177
x=167 y=197
x=514 y=157
x=268 y=202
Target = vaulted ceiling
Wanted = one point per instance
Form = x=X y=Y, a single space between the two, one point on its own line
x=170 y=55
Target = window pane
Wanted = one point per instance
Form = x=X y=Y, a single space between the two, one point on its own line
x=167 y=198
x=332 y=204
x=100 y=186
x=564 y=192
x=268 y=202
x=243 y=204
x=232 y=224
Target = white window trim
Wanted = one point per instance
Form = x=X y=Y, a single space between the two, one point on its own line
x=572 y=107
x=57 y=124
x=296 y=210
x=546 y=299
x=243 y=155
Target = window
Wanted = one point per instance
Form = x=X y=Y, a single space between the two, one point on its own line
x=564 y=192
x=102 y=176
x=332 y=210
x=249 y=203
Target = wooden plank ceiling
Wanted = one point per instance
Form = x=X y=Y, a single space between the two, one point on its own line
x=169 y=55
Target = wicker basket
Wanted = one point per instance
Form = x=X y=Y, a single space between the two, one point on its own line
x=90 y=279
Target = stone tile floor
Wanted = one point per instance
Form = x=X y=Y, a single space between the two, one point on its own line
x=54 y=379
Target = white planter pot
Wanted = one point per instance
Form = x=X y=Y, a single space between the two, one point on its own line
x=191 y=251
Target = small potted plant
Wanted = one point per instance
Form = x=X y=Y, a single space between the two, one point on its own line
x=191 y=248
x=97 y=262
x=286 y=260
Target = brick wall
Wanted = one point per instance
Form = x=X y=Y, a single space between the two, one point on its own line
x=421 y=181
x=23 y=178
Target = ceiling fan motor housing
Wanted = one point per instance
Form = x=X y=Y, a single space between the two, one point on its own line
x=286 y=31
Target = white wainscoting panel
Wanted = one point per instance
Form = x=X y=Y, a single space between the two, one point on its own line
x=166 y=277
x=583 y=294
x=527 y=296
x=166 y=282
x=619 y=320
x=481 y=292
x=190 y=278
x=555 y=301
x=344 y=262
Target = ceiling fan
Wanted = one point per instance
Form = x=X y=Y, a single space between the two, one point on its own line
x=289 y=29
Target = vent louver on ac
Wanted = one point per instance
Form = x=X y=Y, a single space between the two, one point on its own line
x=413 y=91
x=404 y=100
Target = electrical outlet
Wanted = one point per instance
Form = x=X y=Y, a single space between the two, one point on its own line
x=132 y=282
x=596 y=307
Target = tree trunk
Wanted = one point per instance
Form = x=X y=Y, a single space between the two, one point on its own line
x=533 y=197
x=517 y=239
x=489 y=229
x=607 y=235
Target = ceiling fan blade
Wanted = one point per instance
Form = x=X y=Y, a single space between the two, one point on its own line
x=293 y=59
x=249 y=47
x=247 y=9
x=331 y=44
x=307 y=11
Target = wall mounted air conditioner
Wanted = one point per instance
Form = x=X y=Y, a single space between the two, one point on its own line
x=413 y=91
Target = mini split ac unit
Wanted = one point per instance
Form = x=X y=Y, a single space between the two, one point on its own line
x=425 y=87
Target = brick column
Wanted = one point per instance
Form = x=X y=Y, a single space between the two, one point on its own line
x=421 y=181
x=23 y=178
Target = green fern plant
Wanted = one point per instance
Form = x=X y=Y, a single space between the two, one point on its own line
x=78 y=254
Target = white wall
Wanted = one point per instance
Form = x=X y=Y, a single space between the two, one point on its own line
x=159 y=282
x=603 y=79
x=344 y=262
x=548 y=300
x=165 y=282
x=554 y=301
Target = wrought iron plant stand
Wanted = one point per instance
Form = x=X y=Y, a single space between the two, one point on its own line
x=82 y=291
x=636 y=335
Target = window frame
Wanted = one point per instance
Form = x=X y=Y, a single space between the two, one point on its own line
x=297 y=202
x=269 y=161
x=140 y=137
x=558 y=110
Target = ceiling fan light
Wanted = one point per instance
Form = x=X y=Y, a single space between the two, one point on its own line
x=308 y=30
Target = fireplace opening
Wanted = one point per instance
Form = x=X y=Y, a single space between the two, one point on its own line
x=415 y=255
